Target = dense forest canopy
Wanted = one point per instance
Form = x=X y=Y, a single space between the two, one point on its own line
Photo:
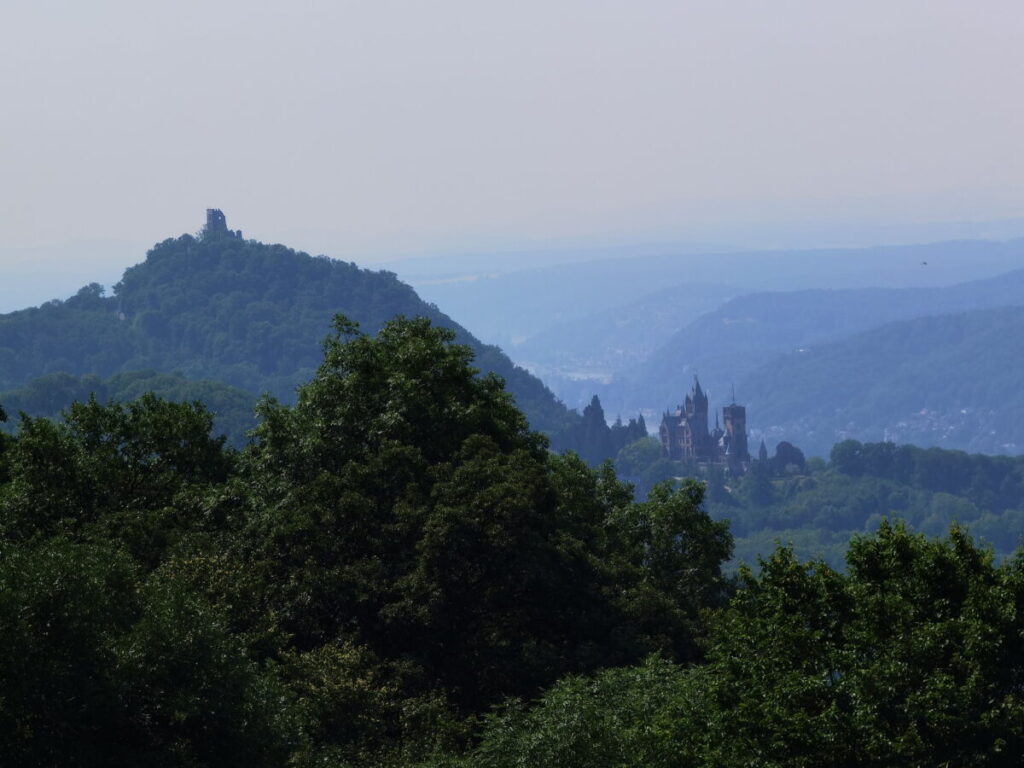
x=910 y=657
x=396 y=571
x=392 y=555
x=51 y=394
x=818 y=506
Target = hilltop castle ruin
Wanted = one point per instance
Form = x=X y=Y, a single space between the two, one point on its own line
x=217 y=224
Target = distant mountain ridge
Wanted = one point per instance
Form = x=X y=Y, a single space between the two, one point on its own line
x=950 y=381
x=236 y=311
x=570 y=356
x=728 y=345
x=508 y=308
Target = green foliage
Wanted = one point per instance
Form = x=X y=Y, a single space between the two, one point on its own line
x=994 y=482
x=819 y=509
x=756 y=486
x=62 y=606
x=389 y=557
x=641 y=463
x=405 y=505
x=788 y=459
x=49 y=395
x=228 y=310
x=116 y=472
x=635 y=457
x=681 y=551
x=397 y=571
x=912 y=657
x=639 y=716
x=99 y=668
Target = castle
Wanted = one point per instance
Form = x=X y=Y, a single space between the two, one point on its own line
x=685 y=435
x=217 y=224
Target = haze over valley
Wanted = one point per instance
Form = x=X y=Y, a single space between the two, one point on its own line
x=473 y=385
x=637 y=331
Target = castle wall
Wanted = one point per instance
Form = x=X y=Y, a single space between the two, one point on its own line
x=734 y=418
x=685 y=435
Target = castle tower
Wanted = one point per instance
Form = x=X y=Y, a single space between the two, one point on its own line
x=215 y=221
x=217 y=224
x=735 y=419
x=697 y=410
x=672 y=435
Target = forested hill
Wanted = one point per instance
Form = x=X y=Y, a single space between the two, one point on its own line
x=950 y=381
x=728 y=345
x=236 y=311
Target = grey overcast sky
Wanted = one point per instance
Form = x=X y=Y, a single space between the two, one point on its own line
x=381 y=127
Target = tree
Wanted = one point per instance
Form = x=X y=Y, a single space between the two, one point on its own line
x=775 y=659
x=787 y=455
x=636 y=456
x=756 y=485
x=622 y=435
x=644 y=716
x=403 y=505
x=714 y=481
x=102 y=668
x=848 y=457
x=62 y=606
x=112 y=472
x=4 y=450
x=680 y=551
x=594 y=441
x=390 y=558
x=911 y=658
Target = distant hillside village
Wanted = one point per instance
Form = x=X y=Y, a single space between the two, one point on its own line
x=685 y=435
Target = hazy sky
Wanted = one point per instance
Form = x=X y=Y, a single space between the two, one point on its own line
x=380 y=127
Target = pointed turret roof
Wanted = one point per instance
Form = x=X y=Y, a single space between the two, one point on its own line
x=698 y=393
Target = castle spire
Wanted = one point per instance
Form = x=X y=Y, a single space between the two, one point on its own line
x=698 y=392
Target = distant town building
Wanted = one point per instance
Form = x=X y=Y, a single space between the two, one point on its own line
x=685 y=435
